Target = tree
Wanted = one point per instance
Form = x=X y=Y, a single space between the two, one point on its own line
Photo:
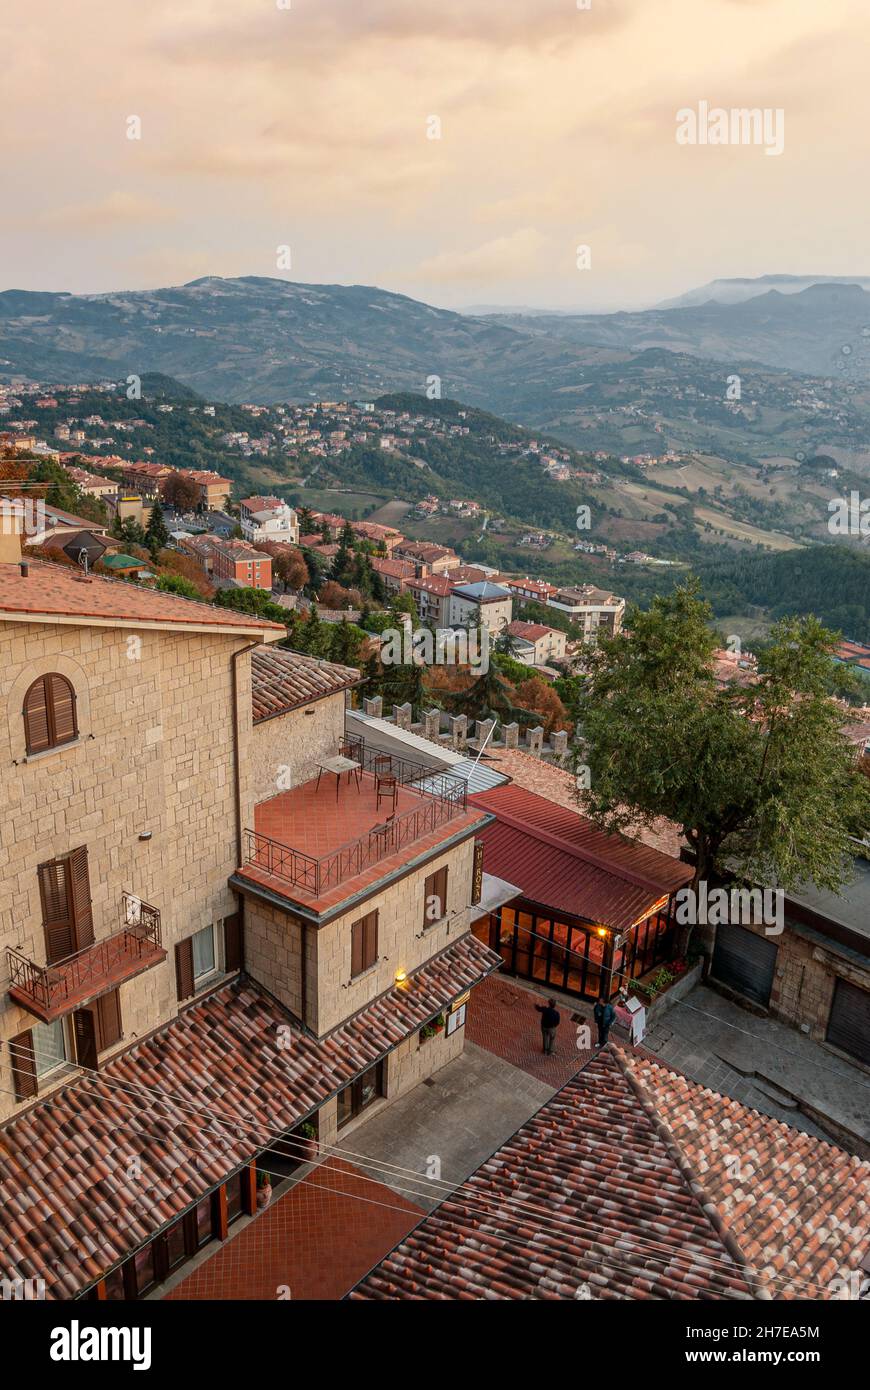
x=156 y=534
x=288 y=565
x=129 y=531
x=334 y=595
x=181 y=493
x=759 y=778
x=177 y=584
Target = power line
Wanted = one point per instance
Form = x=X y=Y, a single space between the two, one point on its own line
x=375 y=1165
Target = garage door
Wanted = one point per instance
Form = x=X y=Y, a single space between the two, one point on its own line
x=744 y=961
x=849 y=1023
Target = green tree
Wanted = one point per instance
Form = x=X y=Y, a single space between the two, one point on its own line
x=156 y=534
x=177 y=584
x=760 y=779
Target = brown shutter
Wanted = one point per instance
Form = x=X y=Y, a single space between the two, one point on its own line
x=57 y=917
x=233 y=942
x=36 y=733
x=62 y=707
x=356 y=947
x=80 y=892
x=23 y=1066
x=435 y=887
x=371 y=939
x=108 y=1011
x=85 y=1030
x=184 y=969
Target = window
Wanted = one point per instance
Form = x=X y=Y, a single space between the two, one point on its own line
x=364 y=944
x=360 y=1093
x=435 y=897
x=49 y=714
x=204 y=962
x=49 y=1047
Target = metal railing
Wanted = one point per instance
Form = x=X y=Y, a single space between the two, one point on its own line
x=442 y=797
x=50 y=986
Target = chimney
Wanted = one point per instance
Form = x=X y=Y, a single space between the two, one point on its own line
x=10 y=534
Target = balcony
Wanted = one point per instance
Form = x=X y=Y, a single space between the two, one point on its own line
x=300 y=838
x=51 y=991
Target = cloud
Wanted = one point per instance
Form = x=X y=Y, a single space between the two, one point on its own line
x=117 y=209
x=523 y=253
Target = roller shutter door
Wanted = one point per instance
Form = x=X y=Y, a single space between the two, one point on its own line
x=849 y=1023
x=744 y=961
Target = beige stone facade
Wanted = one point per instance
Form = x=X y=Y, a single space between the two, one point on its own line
x=283 y=751
x=153 y=757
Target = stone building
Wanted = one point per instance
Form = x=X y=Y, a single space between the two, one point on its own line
x=209 y=939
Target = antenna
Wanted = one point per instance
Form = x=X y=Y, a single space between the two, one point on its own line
x=83 y=559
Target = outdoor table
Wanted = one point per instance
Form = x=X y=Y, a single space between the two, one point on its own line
x=337 y=766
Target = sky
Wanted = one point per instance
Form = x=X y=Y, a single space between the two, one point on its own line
x=457 y=151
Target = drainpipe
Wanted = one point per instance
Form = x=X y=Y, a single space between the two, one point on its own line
x=236 y=763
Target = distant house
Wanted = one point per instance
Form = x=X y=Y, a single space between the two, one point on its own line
x=483 y=604
x=268 y=519
x=537 y=644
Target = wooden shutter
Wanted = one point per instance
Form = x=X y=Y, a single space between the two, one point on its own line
x=23 y=1066
x=85 y=1030
x=357 y=940
x=184 y=969
x=233 y=942
x=36 y=732
x=370 y=949
x=80 y=893
x=108 y=1011
x=57 y=914
x=62 y=709
x=435 y=887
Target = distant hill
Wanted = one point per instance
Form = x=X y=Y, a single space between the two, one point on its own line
x=737 y=290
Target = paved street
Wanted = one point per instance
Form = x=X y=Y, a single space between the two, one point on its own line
x=765 y=1064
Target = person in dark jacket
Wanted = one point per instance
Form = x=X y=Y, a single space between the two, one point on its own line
x=604 y=1014
x=550 y=1020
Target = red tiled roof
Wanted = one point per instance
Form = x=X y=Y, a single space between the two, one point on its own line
x=561 y=860
x=282 y=680
x=433 y=584
x=530 y=631
x=98 y=1168
x=587 y=1192
x=800 y=1209
x=56 y=591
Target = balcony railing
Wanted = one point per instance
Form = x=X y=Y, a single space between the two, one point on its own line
x=442 y=797
x=50 y=991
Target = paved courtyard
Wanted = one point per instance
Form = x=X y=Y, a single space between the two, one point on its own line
x=767 y=1065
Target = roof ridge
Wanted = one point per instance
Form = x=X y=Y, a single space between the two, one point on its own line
x=705 y=1199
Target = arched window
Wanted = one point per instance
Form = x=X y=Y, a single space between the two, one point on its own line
x=50 y=714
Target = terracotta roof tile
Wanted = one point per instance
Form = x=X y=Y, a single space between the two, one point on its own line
x=282 y=680
x=586 y=1193
x=799 y=1205
x=57 y=591
x=94 y=1171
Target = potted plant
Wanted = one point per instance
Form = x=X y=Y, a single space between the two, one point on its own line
x=264 y=1190
x=427 y=1032
x=306 y=1135
x=438 y=1023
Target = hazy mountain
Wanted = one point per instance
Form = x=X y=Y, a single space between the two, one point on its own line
x=823 y=329
x=736 y=290
x=266 y=340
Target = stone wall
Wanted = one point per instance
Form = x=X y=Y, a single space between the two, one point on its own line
x=403 y=944
x=284 y=750
x=154 y=755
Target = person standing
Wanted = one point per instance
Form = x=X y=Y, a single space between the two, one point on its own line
x=550 y=1020
x=604 y=1014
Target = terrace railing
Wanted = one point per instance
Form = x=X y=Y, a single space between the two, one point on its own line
x=48 y=989
x=442 y=797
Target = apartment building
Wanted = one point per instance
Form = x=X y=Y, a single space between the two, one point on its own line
x=240 y=562
x=432 y=597
x=481 y=605
x=427 y=557
x=268 y=519
x=214 y=491
x=536 y=644
x=595 y=610
x=192 y=905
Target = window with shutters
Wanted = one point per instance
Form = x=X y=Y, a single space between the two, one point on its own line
x=364 y=944
x=435 y=897
x=49 y=714
x=23 y=1058
x=50 y=1048
x=203 y=955
x=65 y=893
